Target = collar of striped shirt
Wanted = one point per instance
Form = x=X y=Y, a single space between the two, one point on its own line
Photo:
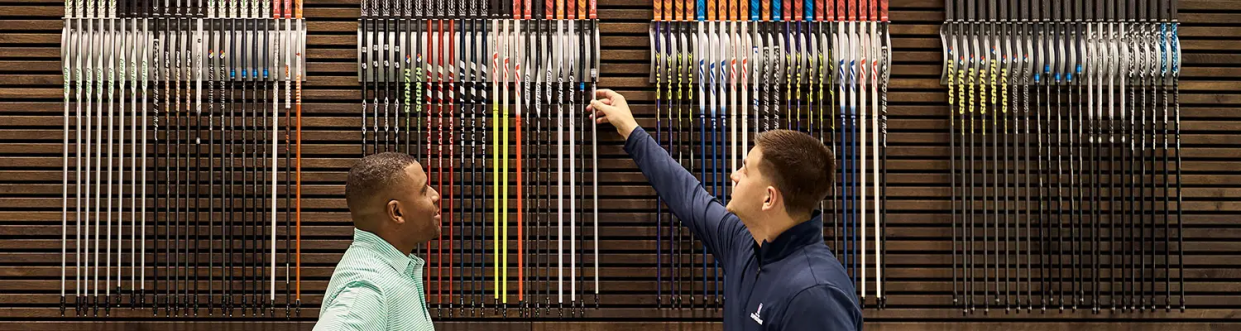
x=406 y=264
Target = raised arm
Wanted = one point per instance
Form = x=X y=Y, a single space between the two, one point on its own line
x=718 y=229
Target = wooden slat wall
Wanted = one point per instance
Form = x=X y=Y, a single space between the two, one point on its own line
x=919 y=251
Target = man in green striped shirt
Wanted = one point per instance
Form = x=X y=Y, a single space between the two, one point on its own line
x=378 y=283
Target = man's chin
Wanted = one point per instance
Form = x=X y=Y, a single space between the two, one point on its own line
x=734 y=212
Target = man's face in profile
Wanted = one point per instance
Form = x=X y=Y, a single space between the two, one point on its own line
x=749 y=188
x=419 y=205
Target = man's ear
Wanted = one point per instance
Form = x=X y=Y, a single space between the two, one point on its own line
x=393 y=209
x=771 y=199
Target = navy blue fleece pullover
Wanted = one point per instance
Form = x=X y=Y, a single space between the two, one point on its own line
x=791 y=283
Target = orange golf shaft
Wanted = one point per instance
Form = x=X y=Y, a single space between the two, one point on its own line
x=659 y=10
x=452 y=110
x=710 y=10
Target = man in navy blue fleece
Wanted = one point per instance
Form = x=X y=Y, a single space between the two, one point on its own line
x=769 y=238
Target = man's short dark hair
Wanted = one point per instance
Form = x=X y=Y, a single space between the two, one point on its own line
x=799 y=165
x=375 y=174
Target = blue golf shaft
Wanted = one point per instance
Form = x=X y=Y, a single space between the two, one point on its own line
x=849 y=141
x=721 y=189
x=702 y=123
x=844 y=172
x=714 y=159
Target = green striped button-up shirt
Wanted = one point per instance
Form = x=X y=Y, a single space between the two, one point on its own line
x=375 y=287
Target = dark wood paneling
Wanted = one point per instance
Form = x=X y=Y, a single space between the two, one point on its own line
x=919 y=260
